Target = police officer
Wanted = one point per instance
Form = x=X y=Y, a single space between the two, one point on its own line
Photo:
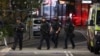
x=55 y=30
x=18 y=38
x=69 y=29
x=45 y=30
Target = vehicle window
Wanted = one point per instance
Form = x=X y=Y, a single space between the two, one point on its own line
x=93 y=16
x=37 y=21
x=98 y=17
x=48 y=21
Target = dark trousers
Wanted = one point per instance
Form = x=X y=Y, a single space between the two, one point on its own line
x=70 y=38
x=46 y=38
x=54 y=38
x=18 y=39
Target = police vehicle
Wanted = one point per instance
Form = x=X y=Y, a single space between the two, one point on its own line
x=93 y=29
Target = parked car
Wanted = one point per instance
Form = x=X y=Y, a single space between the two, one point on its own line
x=36 y=22
x=33 y=11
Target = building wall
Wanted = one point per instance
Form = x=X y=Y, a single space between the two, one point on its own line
x=82 y=11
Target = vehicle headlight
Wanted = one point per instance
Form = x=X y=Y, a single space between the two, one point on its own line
x=97 y=33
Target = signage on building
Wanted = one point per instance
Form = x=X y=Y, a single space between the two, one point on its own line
x=48 y=8
x=87 y=1
x=62 y=2
x=49 y=2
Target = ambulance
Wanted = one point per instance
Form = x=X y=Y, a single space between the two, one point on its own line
x=93 y=29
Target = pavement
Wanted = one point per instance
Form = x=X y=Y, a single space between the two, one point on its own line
x=52 y=52
x=30 y=47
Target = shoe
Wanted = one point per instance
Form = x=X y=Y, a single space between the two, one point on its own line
x=20 y=49
x=73 y=47
x=48 y=48
x=55 y=46
x=65 y=47
x=39 y=48
x=13 y=48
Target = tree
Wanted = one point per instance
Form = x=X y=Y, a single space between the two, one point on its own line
x=19 y=4
x=4 y=4
x=36 y=3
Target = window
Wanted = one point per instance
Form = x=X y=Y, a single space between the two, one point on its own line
x=93 y=15
x=98 y=17
x=37 y=21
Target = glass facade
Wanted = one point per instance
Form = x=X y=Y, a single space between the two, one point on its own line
x=78 y=8
x=53 y=9
x=48 y=8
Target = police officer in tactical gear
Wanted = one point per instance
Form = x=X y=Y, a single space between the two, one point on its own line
x=18 y=38
x=45 y=30
x=69 y=29
x=55 y=30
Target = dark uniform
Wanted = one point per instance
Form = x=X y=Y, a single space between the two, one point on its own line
x=45 y=29
x=18 y=38
x=55 y=26
x=69 y=29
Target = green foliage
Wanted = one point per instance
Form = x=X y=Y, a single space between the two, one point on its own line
x=6 y=31
x=1 y=35
x=35 y=3
x=9 y=17
x=4 y=4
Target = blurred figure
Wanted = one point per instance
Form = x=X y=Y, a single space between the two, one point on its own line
x=45 y=30
x=55 y=30
x=69 y=31
x=18 y=38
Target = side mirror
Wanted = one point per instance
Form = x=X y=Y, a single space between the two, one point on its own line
x=91 y=23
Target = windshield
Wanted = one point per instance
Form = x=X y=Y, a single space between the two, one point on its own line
x=98 y=17
x=37 y=21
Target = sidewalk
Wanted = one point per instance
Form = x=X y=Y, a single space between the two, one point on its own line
x=83 y=48
x=43 y=52
x=10 y=39
x=2 y=47
x=34 y=42
x=80 y=27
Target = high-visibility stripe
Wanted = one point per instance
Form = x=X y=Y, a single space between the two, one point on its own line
x=92 y=43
